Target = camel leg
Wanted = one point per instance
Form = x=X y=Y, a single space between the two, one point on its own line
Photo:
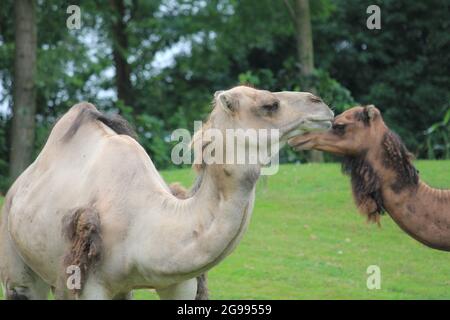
x=19 y=282
x=94 y=290
x=124 y=296
x=185 y=290
x=202 y=287
x=32 y=289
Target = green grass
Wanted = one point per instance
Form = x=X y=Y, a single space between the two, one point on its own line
x=307 y=241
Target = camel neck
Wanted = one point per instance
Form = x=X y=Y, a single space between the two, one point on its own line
x=419 y=210
x=422 y=212
x=224 y=201
x=202 y=230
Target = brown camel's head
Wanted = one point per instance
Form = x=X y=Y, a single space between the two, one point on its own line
x=373 y=156
x=353 y=132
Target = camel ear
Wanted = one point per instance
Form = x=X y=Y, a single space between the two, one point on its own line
x=228 y=102
x=217 y=93
x=371 y=111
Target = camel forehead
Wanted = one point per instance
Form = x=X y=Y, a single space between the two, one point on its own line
x=350 y=114
x=251 y=92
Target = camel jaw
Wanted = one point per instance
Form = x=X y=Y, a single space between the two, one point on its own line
x=300 y=142
x=308 y=125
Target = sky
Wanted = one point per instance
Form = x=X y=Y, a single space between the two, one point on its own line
x=162 y=59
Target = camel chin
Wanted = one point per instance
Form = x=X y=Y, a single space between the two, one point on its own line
x=295 y=133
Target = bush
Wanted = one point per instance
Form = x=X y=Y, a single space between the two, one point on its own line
x=437 y=142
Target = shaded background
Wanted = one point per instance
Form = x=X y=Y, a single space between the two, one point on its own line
x=159 y=62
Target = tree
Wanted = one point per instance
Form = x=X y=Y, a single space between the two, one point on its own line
x=301 y=18
x=120 y=51
x=304 y=38
x=401 y=68
x=24 y=96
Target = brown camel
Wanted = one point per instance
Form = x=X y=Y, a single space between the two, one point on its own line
x=382 y=175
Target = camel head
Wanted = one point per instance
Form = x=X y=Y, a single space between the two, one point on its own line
x=287 y=111
x=353 y=132
x=244 y=109
x=371 y=153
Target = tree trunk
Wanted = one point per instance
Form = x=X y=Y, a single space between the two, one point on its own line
x=120 y=50
x=305 y=49
x=305 y=53
x=24 y=94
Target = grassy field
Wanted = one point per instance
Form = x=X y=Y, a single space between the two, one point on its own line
x=307 y=241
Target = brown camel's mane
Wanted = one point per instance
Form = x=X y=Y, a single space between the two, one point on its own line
x=398 y=158
x=366 y=181
x=366 y=186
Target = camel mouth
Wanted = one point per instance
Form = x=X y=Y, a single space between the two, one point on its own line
x=299 y=142
x=317 y=125
x=307 y=126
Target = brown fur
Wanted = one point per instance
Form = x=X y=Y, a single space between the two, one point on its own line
x=397 y=158
x=82 y=228
x=202 y=287
x=178 y=191
x=89 y=113
x=383 y=176
x=366 y=186
x=363 y=116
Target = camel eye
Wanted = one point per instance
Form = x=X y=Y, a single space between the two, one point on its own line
x=339 y=128
x=271 y=107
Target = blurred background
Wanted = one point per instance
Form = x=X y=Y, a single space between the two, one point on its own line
x=159 y=62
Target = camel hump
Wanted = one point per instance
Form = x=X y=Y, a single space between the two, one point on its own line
x=88 y=112
x=82 y=228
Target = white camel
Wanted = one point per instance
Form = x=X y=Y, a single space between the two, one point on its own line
x=94 y=200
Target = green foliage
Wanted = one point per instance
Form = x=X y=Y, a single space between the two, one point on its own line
x=402 y=68
x=438 y=138
x=219 y=43
x=152 y=136
x=330 y=90
x=4 y=153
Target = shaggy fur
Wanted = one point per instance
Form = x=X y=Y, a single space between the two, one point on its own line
x=397 y=158
x=117 y=123
x=82 y=229
x=178 y=191
x=202 y=287
x=366 y=186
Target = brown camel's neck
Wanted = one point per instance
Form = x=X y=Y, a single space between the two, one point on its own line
x=421 y=211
